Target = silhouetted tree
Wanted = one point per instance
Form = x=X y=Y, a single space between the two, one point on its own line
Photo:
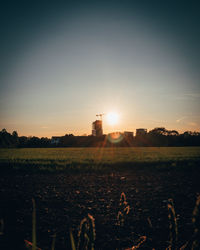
x=23 y=141
x=5 y=138
x=15 y=139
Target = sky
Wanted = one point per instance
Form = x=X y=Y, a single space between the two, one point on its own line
x=63 y=62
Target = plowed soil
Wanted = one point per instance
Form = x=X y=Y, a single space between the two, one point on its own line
x=63 y=200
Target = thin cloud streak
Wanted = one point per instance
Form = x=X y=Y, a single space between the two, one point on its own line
x=181 y=119
x=188 y=96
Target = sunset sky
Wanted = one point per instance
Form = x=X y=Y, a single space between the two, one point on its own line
x=64 y=62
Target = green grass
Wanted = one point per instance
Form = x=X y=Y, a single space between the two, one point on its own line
x=96 y=158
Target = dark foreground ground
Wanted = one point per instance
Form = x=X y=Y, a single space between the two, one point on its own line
x=63 y=200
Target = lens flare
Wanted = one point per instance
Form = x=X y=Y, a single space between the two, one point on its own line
x=115 y=137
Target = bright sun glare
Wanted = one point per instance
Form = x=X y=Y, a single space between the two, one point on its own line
x=112 y=118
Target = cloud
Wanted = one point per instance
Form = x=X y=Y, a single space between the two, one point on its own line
x=188 y=96
x=193 y=95
x=44 y=127
x=180 y=119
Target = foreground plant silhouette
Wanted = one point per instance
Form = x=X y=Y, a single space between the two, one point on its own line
x=124 y=210
x=87 y=235
x=173 y=227
x=122 y=216
x=33 y=245
x=194 y=242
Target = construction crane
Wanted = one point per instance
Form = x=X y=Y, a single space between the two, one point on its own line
x=100 y=115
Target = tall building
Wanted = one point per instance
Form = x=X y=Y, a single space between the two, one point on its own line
x=128 y=134
x=97 y=129
x=141 y=131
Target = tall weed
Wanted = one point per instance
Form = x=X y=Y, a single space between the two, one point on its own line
x=124 y=210
x=86 y=234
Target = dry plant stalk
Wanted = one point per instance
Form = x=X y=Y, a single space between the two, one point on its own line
x=194 y=243
x=196 y=223
x=29 y=245
x=53 y=242
x=124 y=210
x=1 y=226
x=141 y=240
x=34 y=226
x=72 y=240
x=86 y=234
x=173 y=226
x=33 y=245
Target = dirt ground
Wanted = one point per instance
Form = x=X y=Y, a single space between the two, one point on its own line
x=63 y=200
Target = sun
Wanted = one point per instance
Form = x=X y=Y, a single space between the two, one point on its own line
x=112 y=118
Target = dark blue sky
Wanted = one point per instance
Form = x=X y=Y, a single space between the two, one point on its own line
x=22 y=20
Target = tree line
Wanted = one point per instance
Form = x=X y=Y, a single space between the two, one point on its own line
x=157 y=137
x=8 y=140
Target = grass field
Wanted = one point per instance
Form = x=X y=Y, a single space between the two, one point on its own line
x=97 y=158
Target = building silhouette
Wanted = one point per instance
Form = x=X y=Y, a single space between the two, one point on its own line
x=128 y=134
x=55 y=139
x=97 y=129
x=141 y=131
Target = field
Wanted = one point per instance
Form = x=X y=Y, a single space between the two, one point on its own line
x=96 y=158
x=69 y=183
